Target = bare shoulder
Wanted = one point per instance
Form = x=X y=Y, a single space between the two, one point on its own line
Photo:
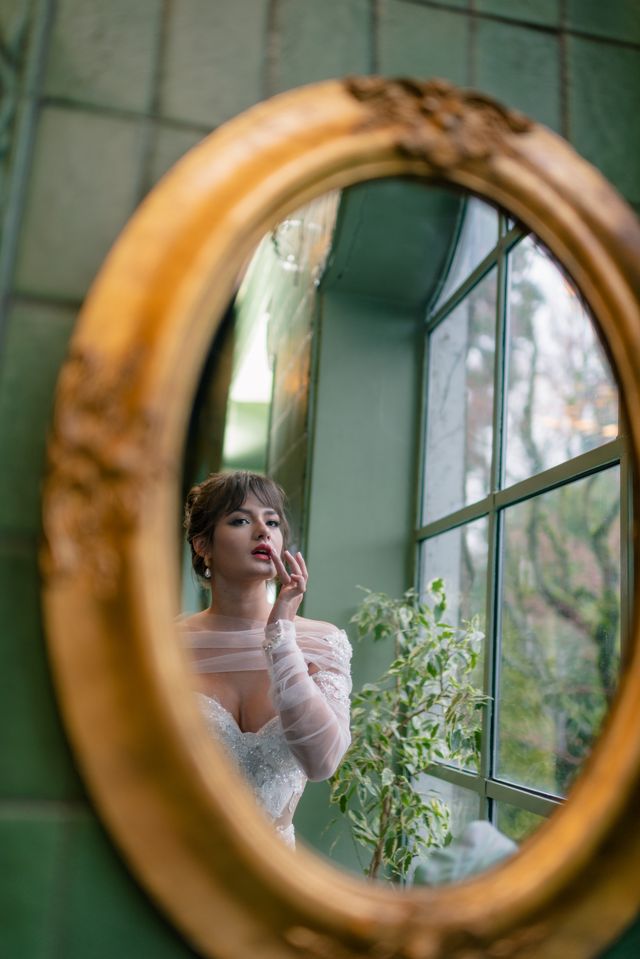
x=193 y=621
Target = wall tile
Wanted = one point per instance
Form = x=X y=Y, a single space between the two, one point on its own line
x=317 y=41
x=519 y=66
x=424 y=42
x=82 y=191
x=213 y=66
x=545 y=12
x=169 y=144
x=458 y=4
x=104 y=53
x=16 y=39
x=30 y=848
x=35 y=760
x=35 y=345
x=618 y=19
x=107 y=913
x=604 y=110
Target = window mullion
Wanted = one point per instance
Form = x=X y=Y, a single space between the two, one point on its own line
x=626 y=540
x=531 y=800
x=492 y=617
x=421 y=459
x=500 y=374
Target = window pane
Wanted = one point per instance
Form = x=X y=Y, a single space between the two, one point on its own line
x=560 y=629
x=478 y=236
x=459 y=557
x=516 y=823
x=464 y=805
x=460 y=403
x=562 y=399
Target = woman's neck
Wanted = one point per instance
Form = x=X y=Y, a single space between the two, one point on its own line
x=242 y=601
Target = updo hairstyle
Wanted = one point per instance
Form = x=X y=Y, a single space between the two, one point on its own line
x=221 y=494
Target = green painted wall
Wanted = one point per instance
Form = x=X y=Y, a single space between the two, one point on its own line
x=391 y=245
x=97 y=101
x=361 y=494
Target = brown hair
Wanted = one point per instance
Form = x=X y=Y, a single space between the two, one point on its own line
x=222 y=493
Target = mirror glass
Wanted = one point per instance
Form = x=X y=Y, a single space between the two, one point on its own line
x=426 y=384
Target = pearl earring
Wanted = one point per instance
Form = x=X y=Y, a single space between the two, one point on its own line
x=207 y=573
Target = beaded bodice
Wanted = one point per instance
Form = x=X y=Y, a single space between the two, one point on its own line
x=265 y=760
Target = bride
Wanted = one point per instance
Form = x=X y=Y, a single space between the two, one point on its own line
x=274 y=687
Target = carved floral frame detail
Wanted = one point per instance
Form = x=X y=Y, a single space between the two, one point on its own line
x=173 y=803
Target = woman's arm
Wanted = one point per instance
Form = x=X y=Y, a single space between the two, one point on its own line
x=314 y=710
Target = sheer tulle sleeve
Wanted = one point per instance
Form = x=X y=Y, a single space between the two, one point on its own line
x=313 y=709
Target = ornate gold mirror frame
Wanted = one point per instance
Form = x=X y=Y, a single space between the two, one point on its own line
x=171 y=800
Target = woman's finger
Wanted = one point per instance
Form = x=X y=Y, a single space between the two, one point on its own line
x=296 y=570
x=302 y=565
x=281 y=569
x=295 y=566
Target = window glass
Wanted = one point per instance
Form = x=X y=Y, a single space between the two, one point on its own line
x=478 y=236
x=560 y=629
x=562 y=399
x=460 y=403
x=555 y=573
x=459 y=557
x=516 y=823
x=464 y=805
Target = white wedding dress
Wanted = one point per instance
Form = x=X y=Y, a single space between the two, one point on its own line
x=309 y=734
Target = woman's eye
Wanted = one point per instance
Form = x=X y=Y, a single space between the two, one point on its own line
x=273 y=522
x=238 y=521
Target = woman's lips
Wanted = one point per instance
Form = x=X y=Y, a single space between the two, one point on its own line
x=263 y=553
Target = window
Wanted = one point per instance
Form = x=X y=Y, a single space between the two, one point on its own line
x=524 y=514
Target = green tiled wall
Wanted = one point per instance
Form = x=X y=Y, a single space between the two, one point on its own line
x=82 y=162
x=97 y=101
x=414 y=40
x=213 y=61
x=604 y=109
x=308 y=47
x=527 y=65
x=89 y=43
x=545 y=12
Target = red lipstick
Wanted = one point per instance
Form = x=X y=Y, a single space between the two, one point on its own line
x=263 y=551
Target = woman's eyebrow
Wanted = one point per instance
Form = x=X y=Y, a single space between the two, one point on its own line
x=249 y=512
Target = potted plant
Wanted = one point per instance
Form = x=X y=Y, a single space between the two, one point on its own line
x=424 y=709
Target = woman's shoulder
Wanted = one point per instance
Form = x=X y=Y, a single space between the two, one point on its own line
x=325 y=633
x=317 y=626
x=193 y=621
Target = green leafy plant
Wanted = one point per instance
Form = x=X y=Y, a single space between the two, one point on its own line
x=424 y=709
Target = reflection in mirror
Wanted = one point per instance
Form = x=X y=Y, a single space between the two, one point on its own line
x=424 y=381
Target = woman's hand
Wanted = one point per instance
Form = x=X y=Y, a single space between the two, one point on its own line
x=293 y=583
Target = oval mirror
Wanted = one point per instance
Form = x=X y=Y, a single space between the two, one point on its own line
x=165 y=788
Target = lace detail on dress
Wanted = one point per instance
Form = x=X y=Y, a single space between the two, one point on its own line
x=339 y=649
x=333 y=686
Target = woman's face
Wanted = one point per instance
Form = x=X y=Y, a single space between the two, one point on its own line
x=243 y=541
